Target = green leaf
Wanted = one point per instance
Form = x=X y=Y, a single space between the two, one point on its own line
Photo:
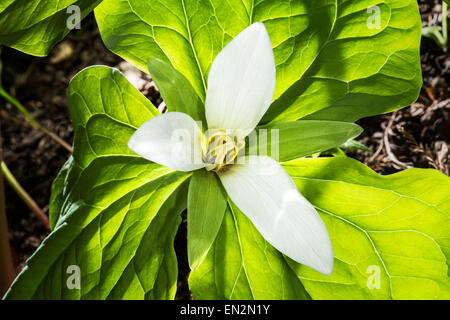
x=59 y=192
x=207 y=202
x=242 y=265
x=35 y=26
x=291 y=140
x=176 y=90
x=153 y=272
x=116 y=214
x=397 y=225
x=430 y=31
x=354 y=145
x=334 y=62
x=434 y=32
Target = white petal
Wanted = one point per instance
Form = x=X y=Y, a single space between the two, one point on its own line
x=172 y=139
x=264 y=191
x=241 y=82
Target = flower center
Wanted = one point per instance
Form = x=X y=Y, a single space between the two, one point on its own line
x=221 y=150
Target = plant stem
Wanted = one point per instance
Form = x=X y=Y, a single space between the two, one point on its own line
x=444 y=24
x=7 y=272
x=33 y=121
x=24 y=195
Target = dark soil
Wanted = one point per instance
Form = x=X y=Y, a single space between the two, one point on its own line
x=417 y=136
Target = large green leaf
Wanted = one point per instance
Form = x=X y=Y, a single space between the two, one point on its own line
x=35 y=26
x=334 y=62
x=207 y=202
x=115 y=214
x=176 y=90
x=242 y=265
x=59 y=192
x=398 y=225
x=285 y=141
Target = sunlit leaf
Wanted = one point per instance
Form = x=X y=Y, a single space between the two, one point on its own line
x=335 y=60
x=394 y=229
x=114 y=215
x=35 y=26
x=242 y=265
x=207 y=202
x=176 y=90
x=291 y=140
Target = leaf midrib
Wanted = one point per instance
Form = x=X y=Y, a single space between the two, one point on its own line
x=371 y=243
x=188 y=27
x=377 y=188
x=100 y=213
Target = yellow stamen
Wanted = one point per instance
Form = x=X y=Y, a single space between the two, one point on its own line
x=221 y=150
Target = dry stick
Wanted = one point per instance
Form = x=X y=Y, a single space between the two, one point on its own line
x=387 y=145
x=377 y=152
x=60 y=141
x=24 y=195
x=419 y=147
x=33 y=121
x=7 y=272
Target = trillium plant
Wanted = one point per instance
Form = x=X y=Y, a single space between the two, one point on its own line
x=241 y=84
x=246 y=172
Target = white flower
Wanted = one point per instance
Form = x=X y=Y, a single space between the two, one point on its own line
x=241 y=85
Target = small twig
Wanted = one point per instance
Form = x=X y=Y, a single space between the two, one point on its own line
x=7 y=272
x=442 y=104
x=442 y=157
x=377 y=152
x=52 y=135
x=33 y=121
x=410 y=138
x=387 y=145
x=24 y=195
x=430 y=93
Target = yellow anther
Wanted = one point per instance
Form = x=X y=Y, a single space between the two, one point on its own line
x=221 y=150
